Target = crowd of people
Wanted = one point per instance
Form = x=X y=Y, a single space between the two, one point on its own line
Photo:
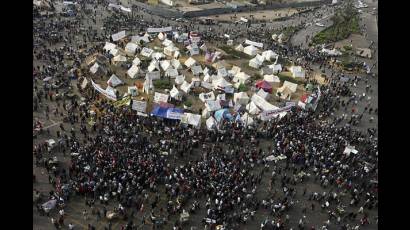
x=157 y=169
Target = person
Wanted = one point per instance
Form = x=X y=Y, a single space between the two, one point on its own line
x=71 y=226
x=85 y=214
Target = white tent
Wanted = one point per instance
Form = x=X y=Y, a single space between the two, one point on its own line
x=170 y=50
x=206 y=96
x=131 y=48
x=241 y=98
x=173 y=73
x=158 y=55
x=165 y=64
x=109 y=46
x=179 y=79
x=196 y=82
x=220 y=64
x=118 y=36
x=154 y=75
x=271 y=78
x=133 y=91
x=174 y=93
x=205 y=113
x=176 y=54
x=246 y=119
x=266 y=71
x=190 y=62
x=235 y=69
x=176 y=64
x=292 y=86
x=211 y=123
x=193 y=49
x=203 y=47
x=94 y=68
x=263 y=94
x=148 y=85
x=269 y=55
x=262 y=103
x=114 y=81
x=239 y=48
x=146 y=52
x=221 y=97
x=206 y=85
x=287 y=89
x=241 y=77
x=277 y=68
x=160 y=97
x=255 y=63
x=111 y=91
x=207 y=78
x=191 y=119
x=196 y=70
x=153 y=65
x=260 y=58
x=206 y=71
x=252 y=108
x=251 y=50
x=136 y=61
x=222 y=72
x=115 y=52
x=119 y=58
x=161 y=36
x=186 y=87
x=212 y=105
x=220 y=83
x=167 y=42
x=297 y=71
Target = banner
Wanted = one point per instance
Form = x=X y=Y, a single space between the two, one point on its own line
x=266 y=115
x=102 y=91
x=160 y=97
x=159 y=30
x=139 y=106
x=118 y=36
x=122 y=102
x=174 y=115
x=256 y=44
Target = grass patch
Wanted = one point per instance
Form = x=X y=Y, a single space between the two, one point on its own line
x=232 y=53
x=242 y=88
x=285 y=77
x=345 y=23
x=188 y=103
x=162 y=84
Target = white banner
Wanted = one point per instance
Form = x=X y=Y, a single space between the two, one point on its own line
x=206 y=85
x=118 y=36
x=139 y=106
x=160 y=97
x=256 y=44
x=159 y=30
x=102 y=91
x=174 y=115
x=266 y=115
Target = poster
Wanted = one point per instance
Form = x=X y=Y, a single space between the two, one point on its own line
x=139 y=106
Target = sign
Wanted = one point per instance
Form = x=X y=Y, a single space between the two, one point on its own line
x=256 y=44
x=290 y=103
x=174 y=115
x=139 y=106
x=118 y=36
x=159 y=30
x=125 y=9
x=104 y=92
x=122 y=102
x=268 y=114
x=159 y=97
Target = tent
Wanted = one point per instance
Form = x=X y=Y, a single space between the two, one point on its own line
x=136 y=61
x=133 y=71
x=191 y=119
x=255 y=63
x=221 y=84
x=292 y=86
x=332 y=52
x=131 y=48
x=186 y=87
x=235 y=69
x=206 y=96
x=251 y=50
x=207 y=78
x=269 y=55
x=153 y=65
x=297 y=71
x=271 y=79
x=133 y=91
x=167 y=42
x=277 y=68
x=223 y=113
x=190 y=62
x=176 y=54
x=220 y=64
x=285 y=93
x=262 y=103
x=118 y=36
x=176 y=64
x=212 y=105
x=157 y=55
x=172 y=73
x=97 y=69
x=222 y=72
x=266 y=71
x=211 y=123
x=111 y=91
x=109 y=46
x=146 y=52
x=161 y=36
x=170 y=50
x=165 y=64
x=221 y=97
x=239 y=48
x=246 y=119
x=160 y=97
x=119 y=58
x=266 y=86
x=196 y=82
x=193 y=49
x=114 y=81
x=174 y=93
x=241 y=98
x=196 y=70
x=252 y=108
x=154 y=75
x=203 y=47
x=148 y=86
x=114 y=52
x=263 y=94
x=205 y=113
x=179 y=79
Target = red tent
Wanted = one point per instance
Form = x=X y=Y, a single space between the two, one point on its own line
x=266 y=86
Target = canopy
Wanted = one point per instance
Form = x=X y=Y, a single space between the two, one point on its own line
x=186 y=87
x=263 y=94
x=146 y=52
x=262 y=84
x=252 y=108
x=160 y=97
x=271 y=79
x=171 y=73
x=241 y=77
x=131 y=48
x=277 y=68
x=174 y=93
x=241 y=98
x=165 y=64
x=114 y=81
x=292 y=86
x=239 y=48
x=211 y=123
x=255 y=63
x=206 y=96
x=190 y=62
x=220 y=83
x=176 y=64
x=250 y=50
x=191 y=119
x=223 y=113
x=269 y=55
x=212 y=105
x=118 y=36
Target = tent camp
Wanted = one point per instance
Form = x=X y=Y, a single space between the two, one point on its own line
x=286 y=90
x=131 y=48
x=239 y=48
x=176 y=64
x=98 y=69
x=147 y=52
x=297 y=71
x=170 y=50
x=271 y=79
x=189 y=62
x=174 y=93
x=269 y=55
x=179 y=79
x=266 y=86
x=196 y=70
x=191 y=119
x=211 y=123
x=114 y=81
x=251 y=50
x=206 y=96
x=241 y=98
x=133 y=71
x=252 y=108
x=165 y=64
x=119 y=58
x=172 y=73
x=153 y=65
x=255 y=63
x=186 y=87
x=193 y=49
x=277 y=68
x=222 y=72
x=263 y=94
x=136 y=61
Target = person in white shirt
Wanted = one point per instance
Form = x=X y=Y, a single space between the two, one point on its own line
x=70 y=226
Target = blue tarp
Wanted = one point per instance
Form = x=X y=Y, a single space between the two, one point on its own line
x=170 y=113
x=222 y=113
x=159 y=111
